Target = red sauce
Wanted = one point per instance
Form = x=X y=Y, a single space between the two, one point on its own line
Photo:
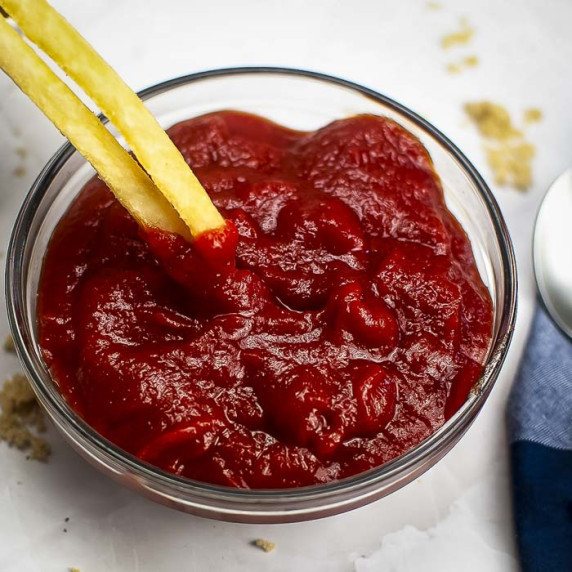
x=339 y=322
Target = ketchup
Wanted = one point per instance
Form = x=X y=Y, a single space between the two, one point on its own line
x=337 y=321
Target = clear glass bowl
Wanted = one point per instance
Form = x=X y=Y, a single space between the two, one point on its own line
x=300 y=100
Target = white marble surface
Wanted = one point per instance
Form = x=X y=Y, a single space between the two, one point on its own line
x=455 y=517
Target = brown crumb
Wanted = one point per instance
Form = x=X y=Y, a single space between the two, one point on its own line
x=512 y=164
x=461 y=37
x=465 y=63
x=21 y=152
x=433 y=6
x=532 y=115
x=21 y=418
x=9 y=344
x=19 y=171
x=508 y=153
x=454 y=68
x=265 y=545
x=492 y=120
x=471 y=61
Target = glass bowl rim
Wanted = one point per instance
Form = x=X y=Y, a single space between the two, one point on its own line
x=367 y=481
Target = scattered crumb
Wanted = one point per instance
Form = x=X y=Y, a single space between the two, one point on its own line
x=65 y=529
x=492 y=120
x=512 y=164
x=19 y=171
x=454 y=68
x=465 y=63
x=20 y=414
x=21 y=152
x=461 y=37
x=471 y=61
x=532 y=115
x=433 y=6
x=67 y=519
x=265 y=545
x=9 y=344
x=508 y=153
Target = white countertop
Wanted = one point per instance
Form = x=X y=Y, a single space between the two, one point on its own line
x=456 y=516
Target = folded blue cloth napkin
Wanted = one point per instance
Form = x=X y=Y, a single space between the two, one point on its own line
x=540 y=431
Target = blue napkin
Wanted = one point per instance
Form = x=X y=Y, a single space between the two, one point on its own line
x=540 y=431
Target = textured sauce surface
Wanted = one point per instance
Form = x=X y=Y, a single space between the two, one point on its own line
x=339 y=322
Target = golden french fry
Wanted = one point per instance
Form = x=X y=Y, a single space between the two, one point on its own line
x=151 y=145
x=130 y=184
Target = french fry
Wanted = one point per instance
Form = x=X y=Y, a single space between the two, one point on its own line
x=130 y=184
x=154 y=150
